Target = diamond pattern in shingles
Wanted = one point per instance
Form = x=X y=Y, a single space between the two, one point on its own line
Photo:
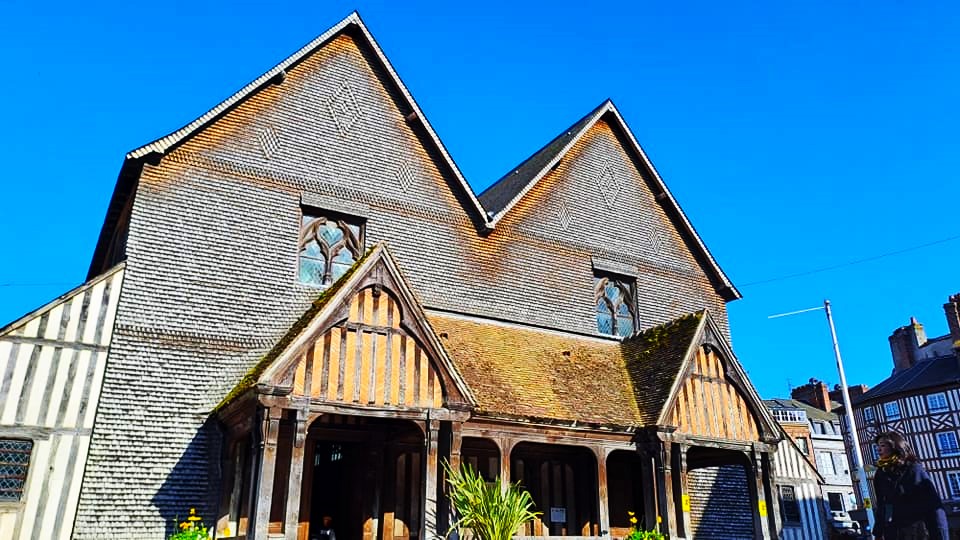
x=345 y=109
x=269 y=141
x=609 y=185
x=405 y=176
x=14 y=460
x=656 y=241
x=563 y=214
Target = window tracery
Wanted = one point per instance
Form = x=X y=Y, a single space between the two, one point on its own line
x=328 y=248
x=613 y=297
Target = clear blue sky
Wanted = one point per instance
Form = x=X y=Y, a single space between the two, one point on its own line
x=796 y=135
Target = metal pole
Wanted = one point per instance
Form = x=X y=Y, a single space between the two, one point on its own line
x=854 y=439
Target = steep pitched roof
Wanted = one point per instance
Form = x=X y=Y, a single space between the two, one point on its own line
x=332 y=299
x=504 y=194
x=655 y=359
x=278 y=72
x=660 y=359
x=937 y=372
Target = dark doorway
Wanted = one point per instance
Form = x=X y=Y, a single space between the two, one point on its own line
x=335 y=489
x=366 y=474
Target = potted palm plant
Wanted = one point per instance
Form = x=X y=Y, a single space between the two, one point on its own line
x=487 y=510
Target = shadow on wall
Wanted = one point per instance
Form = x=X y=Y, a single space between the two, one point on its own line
x=720 y=502
x=194 y=481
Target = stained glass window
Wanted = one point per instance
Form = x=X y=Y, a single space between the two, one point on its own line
x=615 y=309
x=328 y=248
x=14 y=461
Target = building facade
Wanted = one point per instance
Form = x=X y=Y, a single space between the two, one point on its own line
x=819 y=436
x=317 y=311
x=921 y=401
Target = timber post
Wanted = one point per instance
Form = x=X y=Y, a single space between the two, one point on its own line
x=665 y=488
x=683 y=489
x=648 y=482
x=291 y=525
x=429 y=529
x=603 y=506
x=270 y=430
x=761 y=527
x=506 y=447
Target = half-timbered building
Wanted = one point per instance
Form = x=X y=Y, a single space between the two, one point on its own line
x=317 y=311
x=921 y=401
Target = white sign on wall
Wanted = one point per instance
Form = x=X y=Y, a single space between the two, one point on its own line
x=558 y=515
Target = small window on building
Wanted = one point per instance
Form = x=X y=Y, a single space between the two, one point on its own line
x=14 y=462
x=937 y=403
x=804 y=445
x=825 y=463
x=947 y=443
x=613 y=296
x=329 y=245
x=953 y=484
x=874 y=452
x=869 y=415
x=891 y=410
x=836 y=502
x=789 y=504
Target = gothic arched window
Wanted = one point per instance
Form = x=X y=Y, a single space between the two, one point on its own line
x=328 y=248
x=615 y=311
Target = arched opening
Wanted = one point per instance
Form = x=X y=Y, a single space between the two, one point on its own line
x=483 y=455
x=721 y=504
x=625 y=492
x=367 y=475
x=563 y=483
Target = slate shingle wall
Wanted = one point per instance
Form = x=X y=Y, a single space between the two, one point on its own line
x=212 y=257
x=719 y=503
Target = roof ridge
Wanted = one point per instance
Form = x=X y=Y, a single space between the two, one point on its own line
x=499 y=183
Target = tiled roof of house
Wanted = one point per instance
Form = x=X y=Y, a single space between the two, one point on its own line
x=654 y=360
x=938 y=372
x=812 y=412
x=541 y=374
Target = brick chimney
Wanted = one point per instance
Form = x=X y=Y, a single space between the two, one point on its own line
x=905 y=343
x=952 y=310
x=813 y=393
x=855 y=392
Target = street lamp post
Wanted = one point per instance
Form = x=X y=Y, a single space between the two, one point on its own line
x=848 y=409
x=851 y=426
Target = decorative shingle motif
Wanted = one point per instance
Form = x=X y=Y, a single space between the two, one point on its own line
x=656 y=241
x=405 y=176
x=345 y=109
x=564 y=215
x=609 y=184
x=269 y=141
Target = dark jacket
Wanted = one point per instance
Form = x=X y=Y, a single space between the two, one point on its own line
x=906 y=496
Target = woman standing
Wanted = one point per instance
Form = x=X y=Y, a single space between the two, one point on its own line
x=908 y=506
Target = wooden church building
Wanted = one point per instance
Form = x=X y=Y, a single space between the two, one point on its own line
x=299 y=308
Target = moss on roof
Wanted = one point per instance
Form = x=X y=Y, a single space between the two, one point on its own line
x=517 y=372
x=654 y=359
x=253 y=374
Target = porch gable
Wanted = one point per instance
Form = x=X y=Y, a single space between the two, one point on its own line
x=367 y=345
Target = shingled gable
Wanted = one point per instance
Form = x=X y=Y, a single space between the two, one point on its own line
x=275 y=373
x=504 y=194
x=661 y=359
x=157 y=149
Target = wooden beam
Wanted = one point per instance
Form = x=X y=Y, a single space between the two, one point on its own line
x=668 y=509
x=683 y=482
x=429 y=529
x=291 y=525
x=270 y=429
x=603 y=501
